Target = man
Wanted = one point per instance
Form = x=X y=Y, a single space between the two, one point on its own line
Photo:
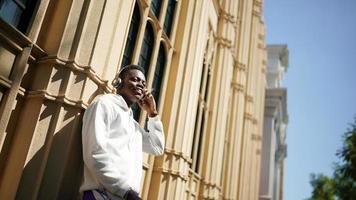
x=113 y=141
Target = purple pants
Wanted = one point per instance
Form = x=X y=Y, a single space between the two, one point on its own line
x=89 y=195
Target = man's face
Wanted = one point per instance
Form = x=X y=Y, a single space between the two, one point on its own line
x=134 y=84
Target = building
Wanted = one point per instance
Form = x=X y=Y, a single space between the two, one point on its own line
x=205 y=59
x=274 y=148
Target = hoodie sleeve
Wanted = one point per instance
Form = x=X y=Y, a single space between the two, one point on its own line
x=153 y=140
x=96 y=148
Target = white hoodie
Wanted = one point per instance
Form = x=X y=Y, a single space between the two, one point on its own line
x=113 y=143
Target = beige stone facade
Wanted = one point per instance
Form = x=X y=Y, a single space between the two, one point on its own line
x=206 y=60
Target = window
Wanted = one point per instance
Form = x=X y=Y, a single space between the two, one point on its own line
x=144 y=55
x=156 y=7
x=144 y=61
x=203 y=114
x=2 y=92
x=168 y=21
x=131 y=37
x=146 y=49
x=17 y=12
x=159 y=72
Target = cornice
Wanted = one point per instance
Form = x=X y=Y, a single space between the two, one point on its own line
x=276 y=98
x=58 y=98
x=86 y=69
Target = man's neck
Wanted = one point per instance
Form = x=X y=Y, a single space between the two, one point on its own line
x=128 y=102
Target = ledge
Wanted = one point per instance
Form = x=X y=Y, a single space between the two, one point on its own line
x=59 y=98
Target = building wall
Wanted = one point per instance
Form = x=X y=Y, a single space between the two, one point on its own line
x=274 y=147
x=211 y=93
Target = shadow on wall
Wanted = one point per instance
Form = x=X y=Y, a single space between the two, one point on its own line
x=55 y=169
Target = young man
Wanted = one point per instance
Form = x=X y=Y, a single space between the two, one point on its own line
x=113 y=141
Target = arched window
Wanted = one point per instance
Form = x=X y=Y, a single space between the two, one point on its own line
x=17 y=13
x=149 y=40
x=156 y=7
x=145 y=58
x=159 y=72
x=146 y=49
x=203 y=113
x=167 y=26
x=131 y=37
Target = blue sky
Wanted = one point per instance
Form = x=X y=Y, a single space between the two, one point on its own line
x=321 y=82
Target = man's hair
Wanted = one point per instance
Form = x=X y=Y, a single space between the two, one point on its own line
x=127 y=68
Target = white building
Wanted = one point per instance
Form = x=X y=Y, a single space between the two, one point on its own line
x=274 y=147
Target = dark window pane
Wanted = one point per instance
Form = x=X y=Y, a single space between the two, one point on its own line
x=207 y=86
x=156 y=7
x=146 y=49
x=24 y=2
x=199 y=149
x=2 y=92
x=17 y=12
x=11 y=12
x=131 y=37
x=159 y=73
x=167 y=26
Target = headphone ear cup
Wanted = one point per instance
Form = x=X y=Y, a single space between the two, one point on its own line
x=119 y=83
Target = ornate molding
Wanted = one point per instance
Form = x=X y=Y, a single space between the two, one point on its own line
x=248 y=116
x=263 y=70
x=264 y=62
x=238 y=87
x=249 y=98
x=261 y=36
x=240 y=66
x=261 y=46
x=255 y=121
x=256 y=137
x=227 y=16
x=256 y=13
x=258 y=151
x=257 y=3
x=178 y=154
x=171 y=172
x=223 y=41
